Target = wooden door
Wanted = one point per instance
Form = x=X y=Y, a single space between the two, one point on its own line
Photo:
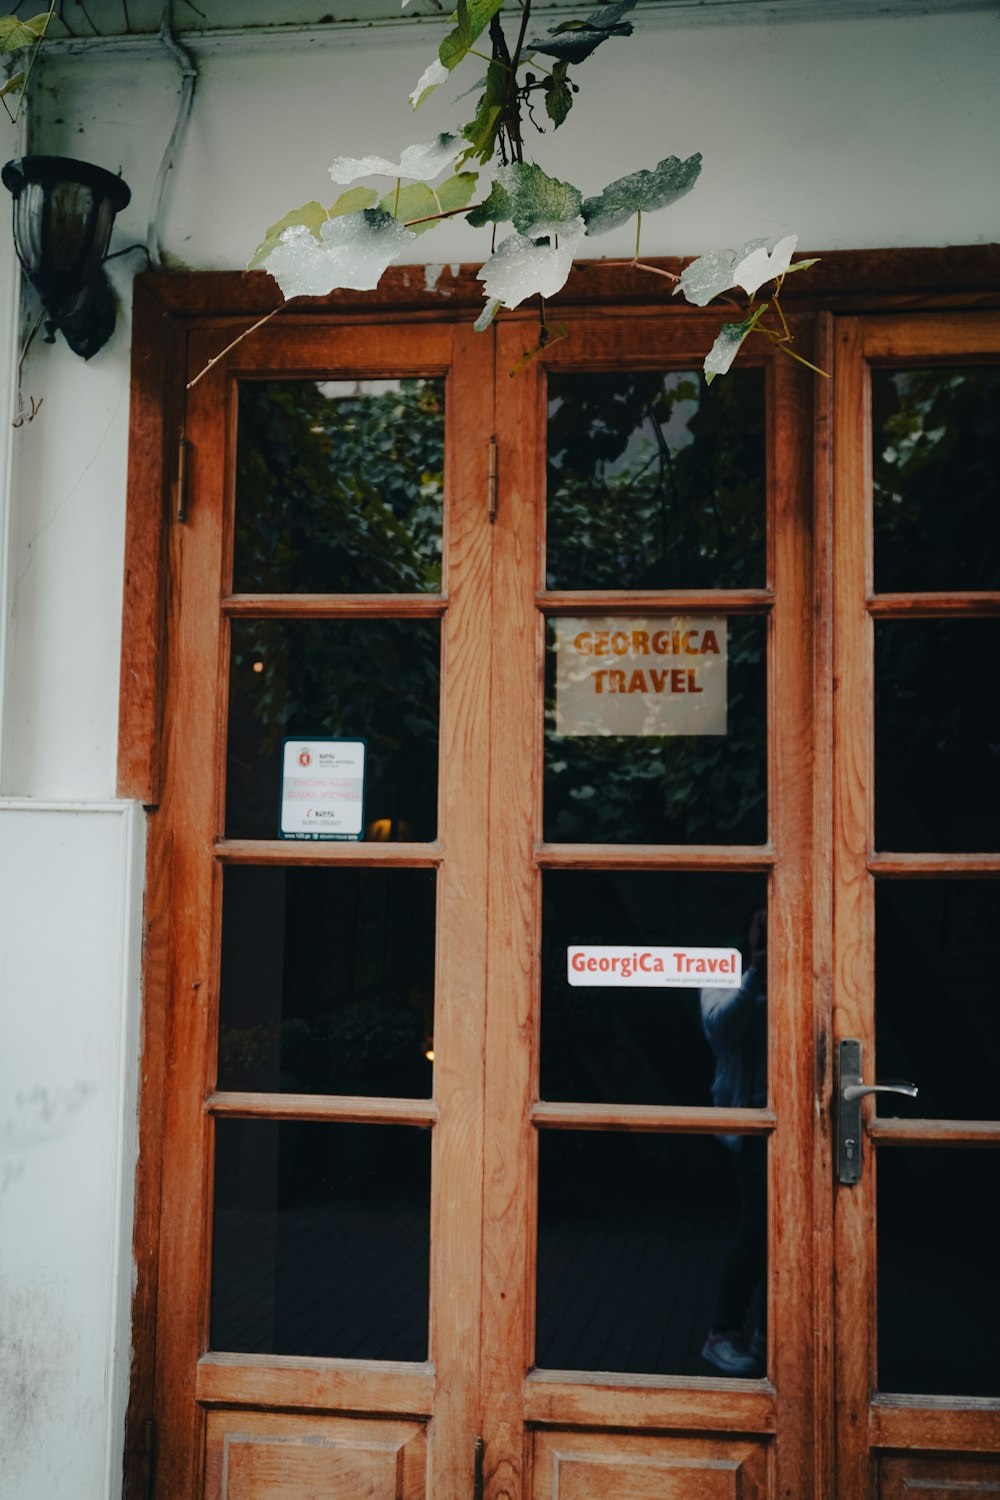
x=917 y=754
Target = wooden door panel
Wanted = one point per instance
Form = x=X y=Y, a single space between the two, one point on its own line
x=597 y=1466
x=272 y=1456
x=948 y=1478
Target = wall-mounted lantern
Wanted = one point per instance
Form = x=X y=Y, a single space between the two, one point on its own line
x=63 y=214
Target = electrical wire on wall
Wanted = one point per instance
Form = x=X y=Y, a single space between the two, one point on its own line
x=189 y=77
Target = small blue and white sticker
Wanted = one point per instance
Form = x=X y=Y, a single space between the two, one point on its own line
x=322 y=789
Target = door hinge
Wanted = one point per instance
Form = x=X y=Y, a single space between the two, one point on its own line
x=181 y=482
x=477 y=1470
x=492 y=482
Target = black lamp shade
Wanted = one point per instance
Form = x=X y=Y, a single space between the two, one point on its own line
x=63 y=214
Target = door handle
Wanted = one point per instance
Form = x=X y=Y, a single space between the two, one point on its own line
x=850 y=1092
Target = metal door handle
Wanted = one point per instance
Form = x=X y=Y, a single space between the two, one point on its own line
x=850 y=1092
x=859 y=1090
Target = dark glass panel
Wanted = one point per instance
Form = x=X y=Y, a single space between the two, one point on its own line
x=376 y=680
x=646 y=1244
x=656 y=481
x=327 y=981
x=666 y=789
x=339 y=486
x=936 y=478
x=320 y=1239
x=937 y=996
x=937 y=735
x=938 y=1288
x=651 y=1046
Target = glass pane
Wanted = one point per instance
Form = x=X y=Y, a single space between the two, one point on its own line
x=327 y=981
x=339 y=486
x=936 y=478
x=376 y=680
x=937 y=993
x=644 y=747
x=624 y=1045
x=938 y=1289
x=656 y=481
x=937 y=735
x=320 y=1239
x=650 y=1248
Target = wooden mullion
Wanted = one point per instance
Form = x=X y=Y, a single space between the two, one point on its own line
x=654 y=601
x=854 y=905
x=303 y=1384
x=735 y=857
x=334 y=606
x=891 y=1132
x=667 y=1119
x=945 y=1423
x=984 y=604
x=641 y=1402
x=933 y=338
x=342 y=1107
x=925 y=866
x=285 y=852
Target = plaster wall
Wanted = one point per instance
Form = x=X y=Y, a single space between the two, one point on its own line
x=852 y=133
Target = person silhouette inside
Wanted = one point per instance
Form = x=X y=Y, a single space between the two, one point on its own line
x=735 y=1024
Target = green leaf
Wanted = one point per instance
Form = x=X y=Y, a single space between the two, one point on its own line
x=558 y=94
x=726 y=347
x=528 y=196
x=473 y=18
x=803 y=265
x=312 y=216
x=574 y=41
x=13 y=85
x=482 y=131
x=418 y=201
x=487 y=315
x=15 y=34
x=641 y=191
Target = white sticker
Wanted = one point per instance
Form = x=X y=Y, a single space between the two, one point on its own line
x=674 y=967
x=322 y=789
x=625 y=675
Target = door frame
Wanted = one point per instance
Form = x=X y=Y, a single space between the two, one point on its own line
x=168 y=311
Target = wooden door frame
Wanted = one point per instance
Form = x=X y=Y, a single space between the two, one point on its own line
x=167 y=311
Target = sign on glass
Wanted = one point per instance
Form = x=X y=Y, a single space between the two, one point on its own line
x=322 y=789
x=676 y=967
x=626 y=675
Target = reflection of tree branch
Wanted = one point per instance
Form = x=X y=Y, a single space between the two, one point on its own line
x=666 y=459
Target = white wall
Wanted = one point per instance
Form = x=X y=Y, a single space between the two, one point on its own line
x=70 y=891
x=856 y=133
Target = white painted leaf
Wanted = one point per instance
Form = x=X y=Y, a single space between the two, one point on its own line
x=487 y=315
x=521 y=266
x=419 y=162
x=758 y=266
x=353 y=251
x=711 y=274
x=433 y=74
x=720 y=357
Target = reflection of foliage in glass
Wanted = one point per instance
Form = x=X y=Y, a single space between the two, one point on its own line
x=373 y=679
x=935 y=476
x=667 y=789
x=339 y=486
x=655 y=481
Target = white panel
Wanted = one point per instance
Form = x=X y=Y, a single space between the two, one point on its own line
x=70 y=901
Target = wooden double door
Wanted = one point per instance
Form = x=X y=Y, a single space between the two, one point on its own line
x=466 y=674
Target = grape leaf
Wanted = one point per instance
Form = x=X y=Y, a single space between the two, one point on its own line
x=711 y=274
x=758 y=267
x=487 y=315
x=482 y=131
x=426 y=160
x=473 y=18
x=428 y=81
x=14 y=84
x=558 y=94
x=574 y=41
x=312 y=216
x=540 y=262
x=726 y=347
x=528 y=197
x=647 y=191
x=15 y=34
x=419 y=201
x=353 y=251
